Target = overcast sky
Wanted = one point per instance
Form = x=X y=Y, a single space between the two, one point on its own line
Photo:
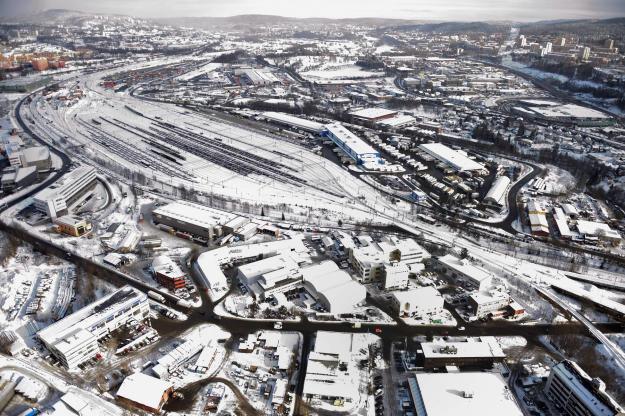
x=473 y=10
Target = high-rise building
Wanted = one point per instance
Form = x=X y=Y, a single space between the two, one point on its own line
x=609 y=43
x=561 y=41
x=585 y=53
x=548 y=47
x=575 y=393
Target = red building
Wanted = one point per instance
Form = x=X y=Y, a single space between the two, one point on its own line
x=168 y=273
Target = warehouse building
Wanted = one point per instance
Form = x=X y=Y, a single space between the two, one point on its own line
x=470 y=393
x=456 y=160
x=38 y=156
x=480 y=352
x=145 y=392
x=57 y=198
x=194 y=219
x=333 y=288
x=496 y=195
x=74 y=339
x=18 y=178
x=417 y=302
x=324 y=378
x=594 y=230
x=574 y=392
x=295 y=122
x=538 y=218
x=463 y=271
x=356 y=148
x=373 y=115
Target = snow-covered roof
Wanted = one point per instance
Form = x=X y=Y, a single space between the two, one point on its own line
x=464 y=267
x=143 y=389
x=455 y=159
x=373 y=113
x=195 y=214
x=594 y=228
x=423 y=297
x=472 y=348
x=349 y=139
x=497 y=191
x=443 y=394
x=298 y=122
x=335 y=288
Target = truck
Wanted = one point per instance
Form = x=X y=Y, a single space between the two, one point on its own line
x=156 y=296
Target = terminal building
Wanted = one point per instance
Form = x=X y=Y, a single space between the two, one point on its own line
x=57 y=198
x=356 y=148
x=456 y=160
x=574 y=392
x=74 y=339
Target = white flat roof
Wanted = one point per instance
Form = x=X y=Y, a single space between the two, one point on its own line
x=442 y=394
x=373 y=113
x=595 y=228
x=295 y=121
x=424 y=297
x=354 y=142
x=455 y=159
x=472 y=348
x=464 y=267
x=195 y=214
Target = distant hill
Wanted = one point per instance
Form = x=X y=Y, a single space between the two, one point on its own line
x=250 y=20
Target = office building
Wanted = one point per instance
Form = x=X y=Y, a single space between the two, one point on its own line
x=57 y=198
x=575 y=393
x=371 y=259
x=480 y=352
x=167 y=273
x=72 y=225
x=74 y=339
x=464 y=272
x=486 y=303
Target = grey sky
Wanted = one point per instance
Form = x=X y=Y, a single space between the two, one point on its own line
x=473 y=10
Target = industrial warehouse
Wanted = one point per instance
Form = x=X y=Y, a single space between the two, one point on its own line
x=356 y=148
